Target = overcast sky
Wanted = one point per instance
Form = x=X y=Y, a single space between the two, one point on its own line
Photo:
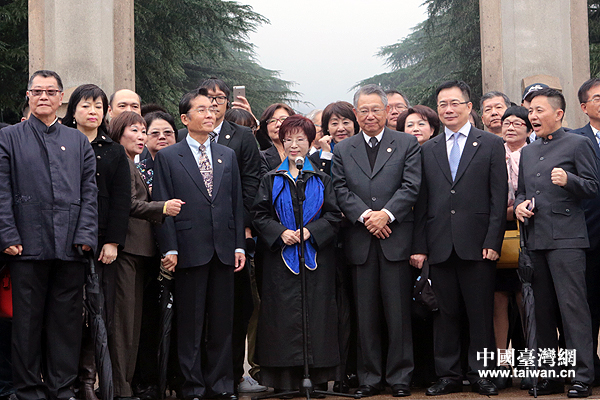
x=327 y=46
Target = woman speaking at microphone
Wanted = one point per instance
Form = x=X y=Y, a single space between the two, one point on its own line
x=279 y=345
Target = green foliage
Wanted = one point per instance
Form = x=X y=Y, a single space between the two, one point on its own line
x=14 y=59
x=444 y=47
x=179 y=43
x=594 y=36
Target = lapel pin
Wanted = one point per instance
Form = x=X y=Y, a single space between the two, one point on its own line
x=62 y=148
x=227 y=136
x=389 y=149
x=549 y=137
x=219 y=160
x=475 y=144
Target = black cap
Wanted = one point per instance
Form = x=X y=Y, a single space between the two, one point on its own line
x=533 y=88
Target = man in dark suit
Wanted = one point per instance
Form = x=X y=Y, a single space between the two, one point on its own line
x=459 y=228
x=204 y=244
x=589 y=97
x=556 y=173
x=48 y=207
x=376 y=177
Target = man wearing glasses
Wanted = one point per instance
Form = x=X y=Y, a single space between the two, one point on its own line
x=48 y=208
x=398 y=103
x=459 y=228
x=376 y=177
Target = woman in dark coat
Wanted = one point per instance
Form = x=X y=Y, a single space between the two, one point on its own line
x=267 y=135
x=279 y=337
x=86 y=111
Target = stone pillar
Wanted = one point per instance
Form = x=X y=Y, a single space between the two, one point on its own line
x=520 y=39
x=88 y=41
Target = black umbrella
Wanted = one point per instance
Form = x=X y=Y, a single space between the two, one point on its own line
x=165 y=300
x=526 y=275
x=94 y=304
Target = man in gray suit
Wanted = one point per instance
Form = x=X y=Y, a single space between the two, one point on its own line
x=556 y=173
x=376 y=176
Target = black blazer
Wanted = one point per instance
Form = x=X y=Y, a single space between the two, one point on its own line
x=559 y=220
x=469 y=213
x=393 y=184
x=206 y=224
x=269 y=160
x=114 y=190
x=591 y=207
x=241 y=140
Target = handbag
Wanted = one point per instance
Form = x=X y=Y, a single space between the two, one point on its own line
x=424 y=302
x=6 y=307
x=509 y=256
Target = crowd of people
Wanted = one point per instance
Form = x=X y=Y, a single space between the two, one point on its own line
x=354 y=200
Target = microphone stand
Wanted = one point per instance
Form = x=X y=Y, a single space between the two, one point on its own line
x=307 y=388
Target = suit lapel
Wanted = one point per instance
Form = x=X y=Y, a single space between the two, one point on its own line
x=441 y=155
x=386 y=149
x=471 y=146
x=225 y=134
x=191 y=166
x=217 y=158
x=359 y=153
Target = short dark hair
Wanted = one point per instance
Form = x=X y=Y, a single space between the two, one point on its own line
x=298 y=122
x=241 y=117
x=555 y=98
x=155 y=115
x=112 y=96
x=45 y=73
x=425 y=112
x=148 y=108
x=83 y=92
x=491 y=95
x=262 y=134
x=117 y=125
x=519 y=112
x=341 y=109
x=477 y=118
x=214 y=83
x=582 y=94
x=464 y=88
x=185 y=104
x=394 y=91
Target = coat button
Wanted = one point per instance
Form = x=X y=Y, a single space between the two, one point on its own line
x=98 y=157
x=567 y=210
x=453 y=191
x=538 y=174
x=452 y=212
x=212 y=206
x=373 y=198
x=537 y=192
x=541 y=158
x=97 y=173
x=99 y=144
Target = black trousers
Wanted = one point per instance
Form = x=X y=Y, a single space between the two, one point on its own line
x=204 y=304
x=382 y=292
x=243 y=306
x=473 y=281
x=592 y=280
x=46 y=336
x=559 y=284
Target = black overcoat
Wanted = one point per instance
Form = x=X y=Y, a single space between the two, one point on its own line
x=279 y=335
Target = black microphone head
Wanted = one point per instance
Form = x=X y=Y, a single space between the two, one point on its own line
x=300 y=162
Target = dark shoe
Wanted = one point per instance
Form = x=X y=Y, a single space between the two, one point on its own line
x=366 y=391
x=341 y=387
x=526 y=383
x=352 y=381
x=225 y=396
x=400 y=391
x=502 y=382
x=443 y=386
x=579 y=389
x=86 y=391
x=485 y=387
x=546 y=387
x=146 y=392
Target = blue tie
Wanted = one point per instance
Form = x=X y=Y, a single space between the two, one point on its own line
x=454 y=158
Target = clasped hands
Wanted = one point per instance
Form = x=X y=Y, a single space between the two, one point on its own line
x=17 y=249
x=290 y=237
x=376 y=223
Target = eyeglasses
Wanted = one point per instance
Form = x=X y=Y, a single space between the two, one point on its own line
x=594 y=100
x=204 y=110
x=453 y=104
x=158 y=133
x=398 y=107
x=280 y=119
x=516 y=124
x=298 y=141
x=363 y=112
x=219 y=99
x=49 y=92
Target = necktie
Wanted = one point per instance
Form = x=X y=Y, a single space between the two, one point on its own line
x=373 y=142
x=206 y=170
x=454 y=158
x=598 y=137
x=213 y=136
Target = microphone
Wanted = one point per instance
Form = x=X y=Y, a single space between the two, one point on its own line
x=300 y=162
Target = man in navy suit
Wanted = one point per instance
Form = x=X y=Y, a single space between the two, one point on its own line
x=204 y=245
x=459 y=227
x=589 y=97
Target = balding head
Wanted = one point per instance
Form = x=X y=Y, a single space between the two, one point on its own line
x=124 y=100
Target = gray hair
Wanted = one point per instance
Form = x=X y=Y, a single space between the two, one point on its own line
x=390 y=92
x=490 y=95
x=370 y=89
x=44 y=73
x=312 y=115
